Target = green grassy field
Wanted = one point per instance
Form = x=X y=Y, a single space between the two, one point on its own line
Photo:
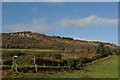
x=105 y=69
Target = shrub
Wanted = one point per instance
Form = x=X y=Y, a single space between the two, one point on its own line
x=74 y=63
x=100 y=48
x=57 y=56
x=67 y=38
x=84 y=60
x=104 y=50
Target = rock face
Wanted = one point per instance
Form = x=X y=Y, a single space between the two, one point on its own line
x=23 y=34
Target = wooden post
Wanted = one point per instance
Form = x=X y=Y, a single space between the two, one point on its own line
x=58 y=65
x=36 y=68
x=16 y=68
x=52 y=64
x=35 y=63
x=34 y=59
x=44 y=64
x=13 y=63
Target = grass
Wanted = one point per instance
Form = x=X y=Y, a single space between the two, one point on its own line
x=67 y=56
x=30 y=50
x=23 y=66
x=105 y=69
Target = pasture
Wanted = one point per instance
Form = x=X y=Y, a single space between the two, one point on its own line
x=105 y=69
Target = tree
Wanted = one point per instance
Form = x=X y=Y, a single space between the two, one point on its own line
x=74 y=63
x=107 y=50
x=101 y=48
x=104 y=50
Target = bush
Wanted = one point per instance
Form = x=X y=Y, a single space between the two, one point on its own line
x=67 y=38
x=75 y=62
x=57 y=56
x=100 y=48
x=104 y=50
x=84 y=60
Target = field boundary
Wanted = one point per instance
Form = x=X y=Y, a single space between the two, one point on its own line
x=37 y=50
x=97 y=61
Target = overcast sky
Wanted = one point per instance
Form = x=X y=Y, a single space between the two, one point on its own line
x=80 y=20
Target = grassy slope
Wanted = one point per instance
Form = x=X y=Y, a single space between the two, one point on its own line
x=105 y=69
x=39 y=50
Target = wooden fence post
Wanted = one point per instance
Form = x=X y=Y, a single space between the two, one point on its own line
x=44 y=64
x=35 y=63
x=36 y=68
x=52 y=64
x=58 y=65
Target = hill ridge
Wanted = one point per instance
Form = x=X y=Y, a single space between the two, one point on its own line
x=28 y=40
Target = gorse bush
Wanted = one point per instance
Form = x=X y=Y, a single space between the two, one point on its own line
x=105 y=50
x=57 y=56
x=100 y=48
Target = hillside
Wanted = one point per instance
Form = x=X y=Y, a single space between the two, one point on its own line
x=53 y=54
x=29 y=40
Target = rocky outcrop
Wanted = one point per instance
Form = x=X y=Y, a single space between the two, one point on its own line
x=23 y=34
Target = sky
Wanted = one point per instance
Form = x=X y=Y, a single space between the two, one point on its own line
x=92 y=21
